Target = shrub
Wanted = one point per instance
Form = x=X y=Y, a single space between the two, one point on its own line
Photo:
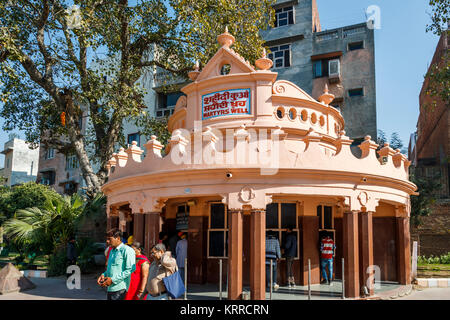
x=57 y=263
x=443 y=259
x=85 y=250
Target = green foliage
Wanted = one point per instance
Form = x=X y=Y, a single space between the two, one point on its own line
x=47 y=228
x=24 y=196
x=396 y=142
x=85 y=249
x=438 y=75
x=443 y=259
x=421 y=204
x=381 y=139
x=152 y=126
x=440 y=16
x=92 y=62
x=57 y=263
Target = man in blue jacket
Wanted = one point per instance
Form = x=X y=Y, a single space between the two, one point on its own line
x=290 y=251
x=273 y=253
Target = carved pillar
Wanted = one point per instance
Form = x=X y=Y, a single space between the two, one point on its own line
x=366 y=249
x=152 y=229
x=138 y=228
x=235 y=234
x=403 y=250
x=257 y=255
x=351 y=252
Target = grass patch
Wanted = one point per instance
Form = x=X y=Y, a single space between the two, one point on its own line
x=433 y=267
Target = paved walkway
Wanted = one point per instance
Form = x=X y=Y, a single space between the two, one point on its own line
x=55 y=289
x=428 y=294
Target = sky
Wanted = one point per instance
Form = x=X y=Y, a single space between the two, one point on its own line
x=403 y=51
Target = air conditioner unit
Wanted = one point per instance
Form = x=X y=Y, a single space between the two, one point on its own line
x=334 y=71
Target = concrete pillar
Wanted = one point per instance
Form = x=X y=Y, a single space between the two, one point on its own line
x=138 y=228
x=366 y=249
x=152 y=229
x=235 y=234
x=309 y=240
x=257 y=255
x=403 y=251
x=351 y=253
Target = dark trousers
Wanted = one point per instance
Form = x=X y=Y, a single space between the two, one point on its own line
x=289 y=269
x=116 y=295
x=274 y=271
x=181 y=271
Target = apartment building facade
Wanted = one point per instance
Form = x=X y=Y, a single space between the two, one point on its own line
x=21 y=162
x=341 y=58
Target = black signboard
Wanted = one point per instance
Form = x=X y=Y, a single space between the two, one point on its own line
x=182 y=217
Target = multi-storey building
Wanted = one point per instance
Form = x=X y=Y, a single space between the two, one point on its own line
x=429 y=151
x=342 y=58
x=21 y=162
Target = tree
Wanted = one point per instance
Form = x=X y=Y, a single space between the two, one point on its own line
x=45 y=229
x=421 y=205
x=88 y=61
x=396 y=142
x=381 y=139
x=437 y=79
x=439 y=16
x=24 y=196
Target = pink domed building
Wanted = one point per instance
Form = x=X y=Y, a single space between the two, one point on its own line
x=249 y=154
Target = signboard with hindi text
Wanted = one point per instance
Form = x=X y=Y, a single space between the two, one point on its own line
x=226 y=103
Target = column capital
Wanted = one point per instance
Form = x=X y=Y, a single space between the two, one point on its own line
x=247 y=198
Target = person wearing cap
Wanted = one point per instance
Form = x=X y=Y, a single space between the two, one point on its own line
x=181 y=253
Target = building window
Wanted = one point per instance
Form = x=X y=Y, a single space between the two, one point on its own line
x=356 y=92
x=284 y=16
x=317 y=69
x=7 y=162
x=50 y=153
x=71 y=162
x=280 y=217
x=70 y=188
x=217 y=231
x=356 y=45
x=281 y=56
x=166 y=103
x=326 y=67
x=325 y=214
x=48 y=178
x=134 y=137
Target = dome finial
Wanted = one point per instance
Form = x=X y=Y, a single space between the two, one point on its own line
x=225 y=39
x=194 y=74
x=326 y=97
x=264 y=63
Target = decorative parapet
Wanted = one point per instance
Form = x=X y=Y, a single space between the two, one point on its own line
x=121 y=158
x=134 y=152
x=111 y=163
x=386 y=153
x=153 y=147
x=368 y=148
x=178 y=143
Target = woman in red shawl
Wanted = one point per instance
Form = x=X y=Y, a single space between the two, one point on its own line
x=139 y=277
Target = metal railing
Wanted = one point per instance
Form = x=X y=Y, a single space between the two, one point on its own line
x=309 y=279
x=185 y=278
